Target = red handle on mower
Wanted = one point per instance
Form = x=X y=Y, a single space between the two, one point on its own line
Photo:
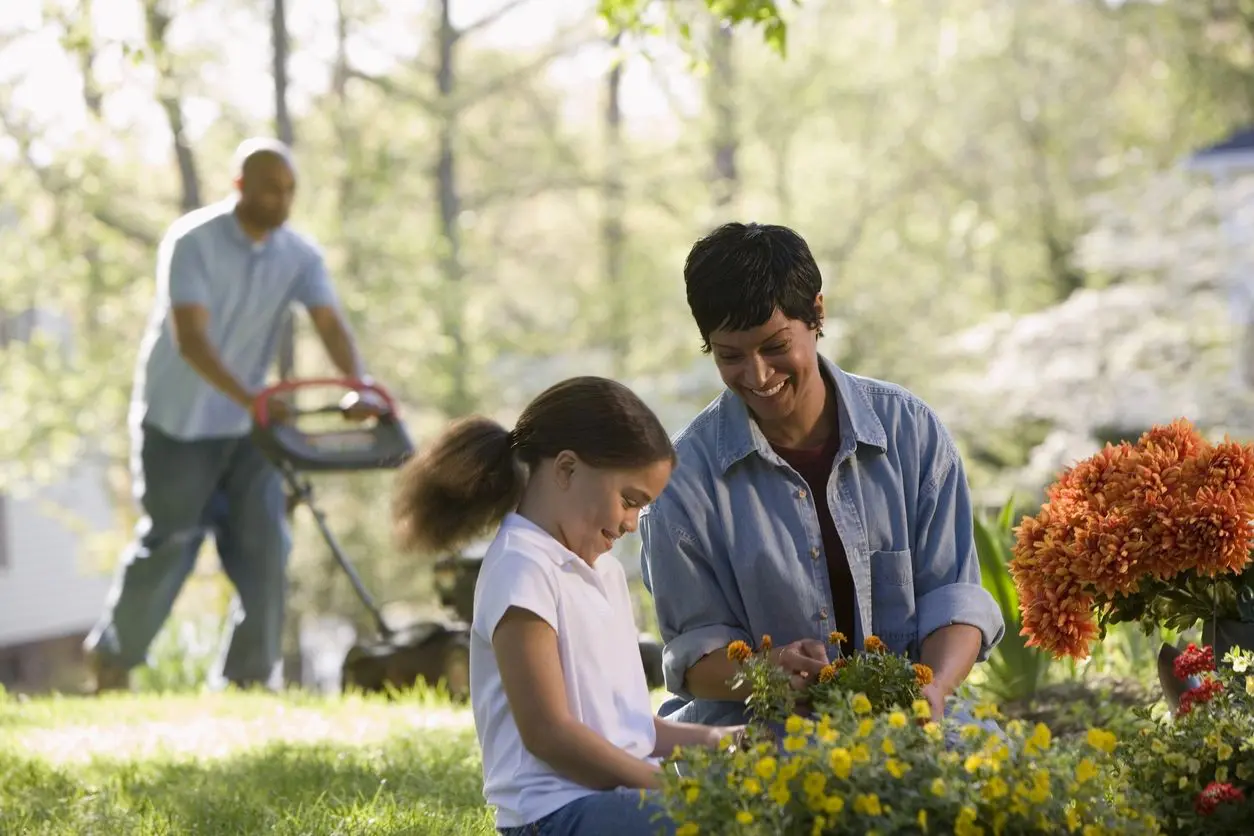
x=261 y=403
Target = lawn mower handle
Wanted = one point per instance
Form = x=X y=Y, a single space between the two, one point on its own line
x=261 y=402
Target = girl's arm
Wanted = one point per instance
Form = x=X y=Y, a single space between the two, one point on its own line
x=671 y=734
x=531 y=672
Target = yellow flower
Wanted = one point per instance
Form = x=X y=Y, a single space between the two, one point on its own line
x=692 y=794
x=933 y=730
x=835 y=804
x=922 y=709
x=922 y=820
x=1086 y=770
x=996 y=788
x=861 y=754
x=816 y=829
x=779 y=793
x=895 y=767
x=687 y=829
x=868 y=804
x=827 y=673
x=938 y=787
x=861 y=705
x=985 y=711
x=1249 y=685
x=744 y=817
x=836 y=637
x=766 y=642
x=1039 y=741
x=841 y=762
x=814 y=782
x=1102 y=740
x=751 y=786
x=794 y=743
x=897 y=720
x=793 y=724
x=866 y=727
x=765 y=767
x=888 y=747
x=1224 y=752
x=973 y=762
x=874 y=644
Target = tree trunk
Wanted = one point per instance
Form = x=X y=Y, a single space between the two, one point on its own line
x=459 y=399
x=721 y=92
x=283 y=130
x=613 y=238
x=156 y=21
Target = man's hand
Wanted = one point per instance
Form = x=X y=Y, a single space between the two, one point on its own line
x=277 y=411
x=358 y=406
x=802 y=660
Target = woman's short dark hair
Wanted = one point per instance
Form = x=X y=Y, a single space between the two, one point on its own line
x=475 y=472
x=740 y=274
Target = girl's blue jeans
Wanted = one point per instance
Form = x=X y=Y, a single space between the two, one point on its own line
x=619 y=812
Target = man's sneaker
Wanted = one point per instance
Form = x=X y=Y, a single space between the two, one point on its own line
x=108 y=676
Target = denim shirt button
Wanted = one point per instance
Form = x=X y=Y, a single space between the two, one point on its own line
x=801 y=494
x=823 y=613
x=814 y=552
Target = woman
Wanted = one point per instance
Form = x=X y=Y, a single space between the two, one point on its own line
x=806 y=500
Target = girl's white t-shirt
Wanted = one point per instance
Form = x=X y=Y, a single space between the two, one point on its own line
x=590 y=609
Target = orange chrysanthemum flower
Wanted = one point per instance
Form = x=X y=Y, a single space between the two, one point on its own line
x=835 y=637
x=766 y=642
x=838 y=663
x=874 y=644
x=922 y=675
x=739 y=651
x=1126 y=516
x=827 y=673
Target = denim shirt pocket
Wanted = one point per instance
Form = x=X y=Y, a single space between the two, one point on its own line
x=894 y=617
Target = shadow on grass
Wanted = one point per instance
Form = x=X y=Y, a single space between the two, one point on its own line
x=424 y=785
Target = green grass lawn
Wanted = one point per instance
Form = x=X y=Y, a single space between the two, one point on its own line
x=238 y=764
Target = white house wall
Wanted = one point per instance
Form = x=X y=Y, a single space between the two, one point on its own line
x=47 y=589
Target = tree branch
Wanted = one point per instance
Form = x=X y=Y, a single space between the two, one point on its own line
x=505 y=80
x=57 y=183
x=391 y=89
x=490 y=18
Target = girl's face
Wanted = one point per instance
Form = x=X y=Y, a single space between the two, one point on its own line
x=598 y=506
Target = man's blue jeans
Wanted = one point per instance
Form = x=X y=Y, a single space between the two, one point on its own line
x=184 y=488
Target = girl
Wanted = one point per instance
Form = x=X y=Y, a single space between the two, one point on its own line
x=561 y=708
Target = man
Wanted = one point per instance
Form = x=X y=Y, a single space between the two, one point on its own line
x=226 y=274
x=806 y=500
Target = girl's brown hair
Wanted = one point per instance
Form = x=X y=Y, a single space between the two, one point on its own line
x=475 y=472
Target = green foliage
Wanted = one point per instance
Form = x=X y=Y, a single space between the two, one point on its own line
x=634 y=16
x=1013 y=671
x=889 y=680
x=239 y=763
x=1209 y=742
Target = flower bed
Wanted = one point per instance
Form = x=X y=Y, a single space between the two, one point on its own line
x=870 y=760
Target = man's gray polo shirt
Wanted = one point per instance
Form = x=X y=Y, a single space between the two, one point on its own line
x=206 y=259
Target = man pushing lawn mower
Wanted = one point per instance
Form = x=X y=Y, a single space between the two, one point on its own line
x=226 y=274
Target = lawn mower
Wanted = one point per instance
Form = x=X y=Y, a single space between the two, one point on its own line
x=396 y=659
x=430 y=651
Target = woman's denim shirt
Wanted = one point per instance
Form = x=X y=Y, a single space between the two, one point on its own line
x=732 y=550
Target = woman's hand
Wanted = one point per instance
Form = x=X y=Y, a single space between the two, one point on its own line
x=936 y=696
x=802 y=660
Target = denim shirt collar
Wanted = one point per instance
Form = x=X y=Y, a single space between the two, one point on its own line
x=739 y=435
